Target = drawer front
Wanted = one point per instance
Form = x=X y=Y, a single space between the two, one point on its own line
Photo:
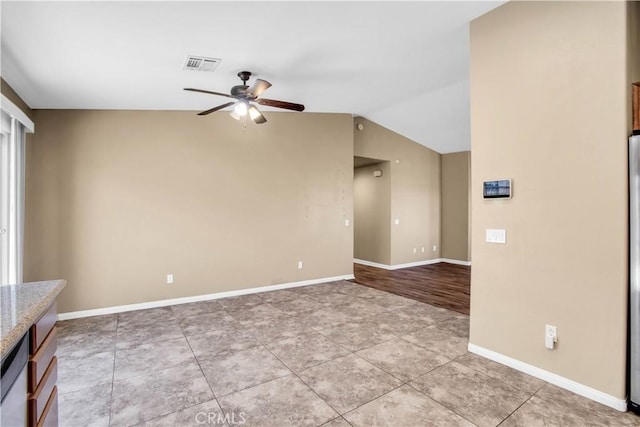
x=49 y=416
x=42 y=327
x=39 y=362
x=38 y=399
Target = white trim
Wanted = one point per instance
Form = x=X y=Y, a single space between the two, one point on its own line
x=414 y=264
x=196 y=298
x=409 y=264
x=14 y=111
x=455 y=261
x=371 y=264
x=550 y=377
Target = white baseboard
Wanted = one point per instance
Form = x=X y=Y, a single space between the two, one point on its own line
x=196 y=298
x=409 y=264
x=550 y=377
x=455 y=261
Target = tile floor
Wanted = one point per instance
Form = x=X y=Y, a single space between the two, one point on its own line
x=334 y=354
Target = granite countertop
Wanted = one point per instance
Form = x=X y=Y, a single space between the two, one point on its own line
x=21 y=305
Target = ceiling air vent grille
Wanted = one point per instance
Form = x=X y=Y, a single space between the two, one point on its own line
x=200 y=63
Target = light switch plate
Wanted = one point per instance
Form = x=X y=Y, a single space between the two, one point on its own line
x=496 y=236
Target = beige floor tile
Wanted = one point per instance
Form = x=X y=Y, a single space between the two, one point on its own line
x=458 y=325
x=146 y=317
x=81 y=372
x=427 y=312
x=86 y=344
x=400 y=323
x=439 y=341
x=146 y=358
x=241 y=302
x=86 y=407
x=141 y=398
x=181 y=311
x=94 y=324
x=357 y=335
x=204 y=414
x=149 y=331
x=306 y=350
x=243 y=369
x=337 y=422
x=267 y=330
x=298 y=306
x=362 y=308
x=221 y=342
x=283 y=295
x=348 y=382
x=390 y=301
x=172 y=390
x=279 y=403
x=328 y=317
x=402 y=359
x=508 y=375
x=479 y=398
x=260 y=312
x=593 y=413
x=404 y=406
x=203 y=323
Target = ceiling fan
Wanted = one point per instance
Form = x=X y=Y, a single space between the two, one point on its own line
x=245 y=99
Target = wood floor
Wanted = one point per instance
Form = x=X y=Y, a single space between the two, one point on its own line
x=444 y=285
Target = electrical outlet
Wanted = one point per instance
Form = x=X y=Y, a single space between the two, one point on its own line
x=346 y=222
x=415 y=250
x=435 y=248
x=422 y=249
x=169 y=279
x=299 y=265
x=550 y=336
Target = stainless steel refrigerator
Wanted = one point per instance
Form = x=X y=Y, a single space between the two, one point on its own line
x=634 y=272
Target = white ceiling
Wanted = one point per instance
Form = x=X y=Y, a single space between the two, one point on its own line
x=403 y=65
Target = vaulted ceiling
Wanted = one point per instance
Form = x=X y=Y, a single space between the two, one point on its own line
x=403 y=65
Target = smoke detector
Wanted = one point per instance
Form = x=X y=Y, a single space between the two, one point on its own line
x=200 y=63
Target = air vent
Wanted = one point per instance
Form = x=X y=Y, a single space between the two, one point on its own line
x=200 y=63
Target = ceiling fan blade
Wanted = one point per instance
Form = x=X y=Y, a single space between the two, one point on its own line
x=257 y=116
x=208 y=91
x=257 y=88
x=280 y=104
x=219 y=107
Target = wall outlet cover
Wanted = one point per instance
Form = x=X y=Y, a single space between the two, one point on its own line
x=496 y=236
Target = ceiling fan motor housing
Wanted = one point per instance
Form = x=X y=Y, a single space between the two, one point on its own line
x=239 y=90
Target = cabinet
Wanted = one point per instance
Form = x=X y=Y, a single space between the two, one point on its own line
x=42 y=370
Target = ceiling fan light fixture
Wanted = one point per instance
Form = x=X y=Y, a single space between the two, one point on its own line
x=241 y=109
x=254 y=113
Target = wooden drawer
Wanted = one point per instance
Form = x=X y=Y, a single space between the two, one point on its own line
x=41 y=328
x=49 y=416
x=38 y=399
x=39 y=362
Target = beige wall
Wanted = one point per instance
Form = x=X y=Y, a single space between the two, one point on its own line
x=549 y=110
x=8 y=91
x=456 y=168
x=119 y=199
x=372 y=213
x=415 y=190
